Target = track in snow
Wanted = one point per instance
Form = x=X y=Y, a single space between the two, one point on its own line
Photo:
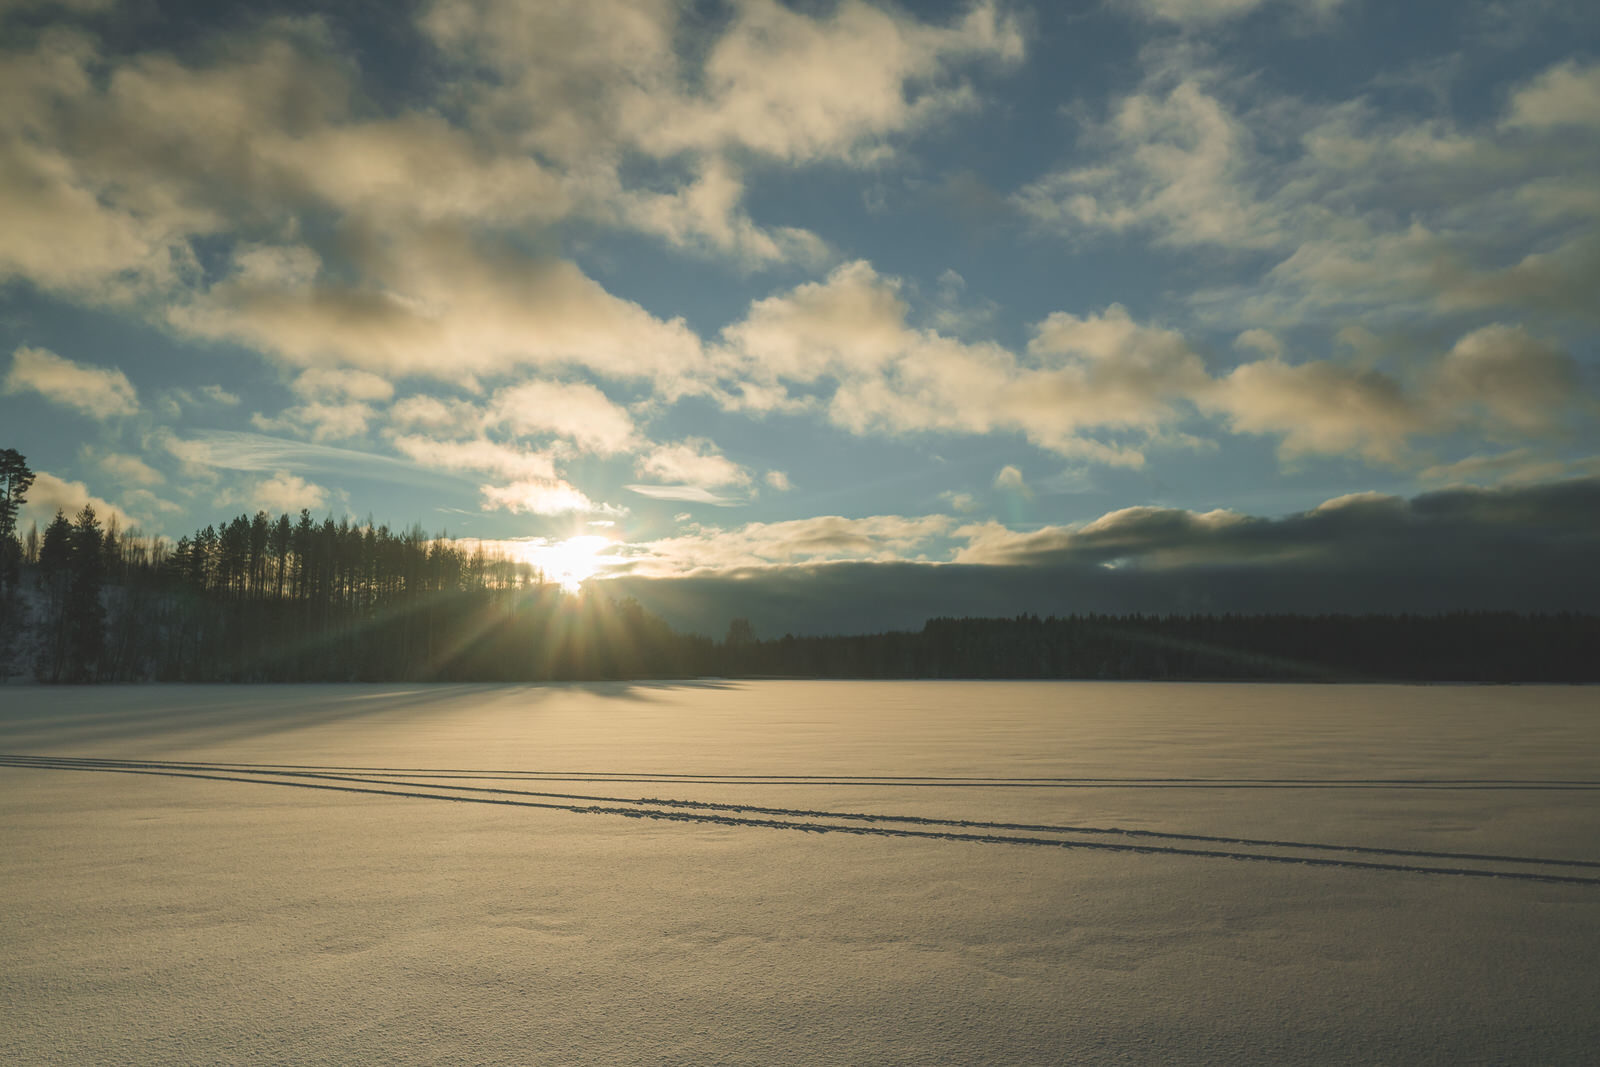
x=424 y=784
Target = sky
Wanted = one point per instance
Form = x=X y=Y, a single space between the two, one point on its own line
x=833 y=314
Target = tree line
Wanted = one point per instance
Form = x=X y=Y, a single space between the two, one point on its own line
x=1482 y=646
x=279 y=599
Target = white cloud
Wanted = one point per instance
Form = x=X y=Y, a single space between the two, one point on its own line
x=1083 y=375
x=778 y=480
x=963 y=502
x=101 y=392
x=1567 y=94
x=693 y=461
x=583 y=85
x=824 y=537
x=797 y=88
x=286 y=493
x=142 y=503
x=1010 y=478
x=1174 y=162
x=541 y=497
x=425 y=412
x=481 y=455
x=689 y=494
x=1321 y=408
x=130 y=470
x=50 y=494
x=325 y=422
x=574 y=411
x=445 y=306
x=319 y=384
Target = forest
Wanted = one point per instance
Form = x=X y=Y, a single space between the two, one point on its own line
x=294 y=599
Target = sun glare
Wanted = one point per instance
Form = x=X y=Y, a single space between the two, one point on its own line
x=569 y=562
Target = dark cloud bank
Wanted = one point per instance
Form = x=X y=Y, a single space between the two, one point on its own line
x=1533 y=548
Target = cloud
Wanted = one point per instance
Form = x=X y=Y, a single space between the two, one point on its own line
x=533 y=484
x=260 y=143
x=764 y=544
x=325 y=422
x=693 y=461
x=100 y=392
x=1088 y=374
x=425 y=412
x=575 y=411
x=1207 y=13
x=1261 y=342
x=481 y=454
x=238 y=451
x=1355 y=209
x=1010 y=478
x=1497 y=381
x=50 y=494
x=145 y=504
x=1342 y=530
x=130 y=470
x=1565 y=95
x=693 y=494
x=1174 y=162
x=1321 y=408
x=1526 y=548
x=448 y=306
x=1520 y=466
x=286 y=493
x=1102 y=387
x=778 y=480
x=963 y=502
x=320 y=384
x=172 y=401
x=574 y=79
x=1517 y=384
x=586 y=86
x=798 y=88
x=542 y=497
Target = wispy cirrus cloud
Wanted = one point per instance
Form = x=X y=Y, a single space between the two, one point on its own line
x=235 y=450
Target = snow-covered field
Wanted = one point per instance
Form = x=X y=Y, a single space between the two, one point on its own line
x=800 y=872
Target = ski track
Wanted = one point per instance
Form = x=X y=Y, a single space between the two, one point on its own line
x=406 y=784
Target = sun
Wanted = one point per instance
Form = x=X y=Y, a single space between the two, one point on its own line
x=568 y=562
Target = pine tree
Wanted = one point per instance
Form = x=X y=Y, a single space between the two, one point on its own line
x=55 y=577
x=15 y=478
x=85 y=615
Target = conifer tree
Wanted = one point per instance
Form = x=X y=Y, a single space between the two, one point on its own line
x=55 y=576
x=15 y=478
x=85 y=615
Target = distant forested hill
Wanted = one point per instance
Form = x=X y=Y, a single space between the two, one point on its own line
x=1464 y=647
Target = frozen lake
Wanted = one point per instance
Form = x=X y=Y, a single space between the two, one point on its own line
x=810 y=872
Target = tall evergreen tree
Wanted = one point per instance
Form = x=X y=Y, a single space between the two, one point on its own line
x=55 y=577
x=15 y=478
x=85 y=615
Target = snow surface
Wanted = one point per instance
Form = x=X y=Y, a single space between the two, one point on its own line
x=228 y=912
